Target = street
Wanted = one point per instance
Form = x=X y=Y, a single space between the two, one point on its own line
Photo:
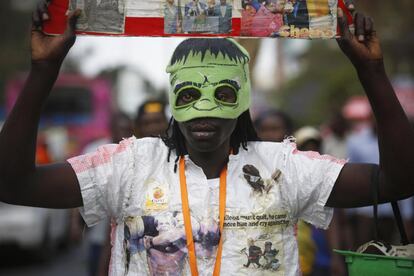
x=66 y=262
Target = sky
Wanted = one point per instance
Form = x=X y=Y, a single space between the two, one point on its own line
x=150 y=56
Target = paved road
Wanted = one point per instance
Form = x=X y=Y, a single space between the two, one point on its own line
x=68 y=262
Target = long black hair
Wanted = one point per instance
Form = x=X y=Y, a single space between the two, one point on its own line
x=243 y=132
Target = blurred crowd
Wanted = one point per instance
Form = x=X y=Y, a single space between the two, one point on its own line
x=150 y=120
x=348 y=134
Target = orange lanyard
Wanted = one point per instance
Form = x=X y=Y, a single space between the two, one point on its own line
x=187 y=219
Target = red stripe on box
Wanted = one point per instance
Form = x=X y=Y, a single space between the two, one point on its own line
x=144 y=26
x=348 y=14
x=134 y=26
x=154 y=26
x=57 y=12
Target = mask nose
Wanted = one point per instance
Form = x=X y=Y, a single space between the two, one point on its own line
x=205 y=104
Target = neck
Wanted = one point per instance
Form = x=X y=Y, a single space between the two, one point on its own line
x=211 y=162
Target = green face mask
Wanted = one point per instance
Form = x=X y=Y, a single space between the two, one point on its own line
x=213 y=86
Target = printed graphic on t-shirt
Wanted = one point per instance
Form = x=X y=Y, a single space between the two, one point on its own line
x=269 y=187
x=265 y=259
x=157 y=195
x=259 y=238
x=263 y=189
x=162 y=238
x=258 y=184
x=159 y=242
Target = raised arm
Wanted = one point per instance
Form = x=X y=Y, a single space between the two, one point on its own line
x=395 y=135
x=21 y=181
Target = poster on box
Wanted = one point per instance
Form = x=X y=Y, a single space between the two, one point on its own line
x=306 y=19
x=100 y=16
x=197 y=17
x=289 y=18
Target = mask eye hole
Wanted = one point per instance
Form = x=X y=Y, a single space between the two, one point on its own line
x=225 y=94
x=187 y=96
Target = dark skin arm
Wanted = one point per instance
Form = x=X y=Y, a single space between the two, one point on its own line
x=395 y=135
x=21 y=181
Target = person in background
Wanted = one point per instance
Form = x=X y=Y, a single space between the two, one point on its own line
x=298 y=15
x=362 y=147
x=224 y=12
x=268 y=19
x=171 y=18
x=121 y=127
x=340 y=233
x=307 y=248
x=320 y=262
x=195 y=8
x=151 y=119
x=247 y=13
x=273 y=125
x=210 y=7
x=253 y=3
x=334 y=143
x=308 y=139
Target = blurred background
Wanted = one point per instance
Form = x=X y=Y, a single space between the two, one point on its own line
x=310 y=82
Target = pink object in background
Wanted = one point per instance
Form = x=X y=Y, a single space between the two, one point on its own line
x=357 y=108
x=79 y=105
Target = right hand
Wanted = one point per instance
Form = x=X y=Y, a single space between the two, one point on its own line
x=47 y=48
x=362 y=47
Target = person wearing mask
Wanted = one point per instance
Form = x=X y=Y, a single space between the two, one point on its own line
x=196 y=170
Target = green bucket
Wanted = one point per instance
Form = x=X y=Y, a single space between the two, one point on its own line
x=376 y=265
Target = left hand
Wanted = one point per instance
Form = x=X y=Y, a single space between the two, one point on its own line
x=362 y=48
x=47 y=48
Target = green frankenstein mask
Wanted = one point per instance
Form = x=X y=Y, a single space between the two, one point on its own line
x=209 y=78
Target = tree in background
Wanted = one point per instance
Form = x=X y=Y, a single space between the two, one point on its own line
x=14 y=53
x=15 y=19
x=315 y=93
x=326 y=88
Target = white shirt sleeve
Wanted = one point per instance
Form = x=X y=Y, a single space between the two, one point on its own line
x=104 y=176
x=310 y=179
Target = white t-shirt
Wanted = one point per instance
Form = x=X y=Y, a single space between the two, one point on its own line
x=269 y=187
